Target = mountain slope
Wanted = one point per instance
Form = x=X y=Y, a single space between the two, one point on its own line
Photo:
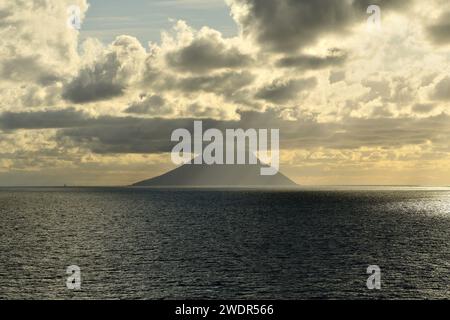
x=217 y=175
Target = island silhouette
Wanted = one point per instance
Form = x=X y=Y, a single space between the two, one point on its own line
x=218 y=175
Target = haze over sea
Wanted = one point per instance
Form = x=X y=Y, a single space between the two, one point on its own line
x=149 y=243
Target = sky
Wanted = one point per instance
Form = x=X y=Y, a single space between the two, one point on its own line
x=96 y=106
x=145 y=19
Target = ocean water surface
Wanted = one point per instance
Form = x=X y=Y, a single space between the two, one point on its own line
x=143 y=243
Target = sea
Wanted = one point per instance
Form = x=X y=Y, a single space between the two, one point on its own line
x=191 y=243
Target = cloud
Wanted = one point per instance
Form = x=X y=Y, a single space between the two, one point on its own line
x=199 y=110
x=207 y=51
x=154 y=105
x=221 y=83
x=289 y=25
x=381 y=112
x=5 y=16
x=48 y=119
x=336 y=76
x=225 y=83
x=37 y=96
x=439 y=32
x=110 y=74
x=27 y=69
x=106 y=134
x=35 y=33
x=281 y=91
x=423 y=107
x=378 y=89
x=37 y=48
x=442 y=90
x=335 y=57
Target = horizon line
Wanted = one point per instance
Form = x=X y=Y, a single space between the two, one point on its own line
x=227 y=186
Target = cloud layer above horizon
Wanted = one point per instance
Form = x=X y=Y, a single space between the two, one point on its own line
x=353 y=105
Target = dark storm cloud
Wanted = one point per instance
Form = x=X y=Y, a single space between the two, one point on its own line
x=225 y=83
x=4 y=18
x=335 y=57
x=423 y=107
x=442 y=90
x=124 y=135
x=107 y=134
x=288 y=25
x=50 y=119
x=95 y=83
x=131 y=135
x=392 y=132
x=109 y=74
x=205 y=54
x=280 y=91
x=440 y=31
